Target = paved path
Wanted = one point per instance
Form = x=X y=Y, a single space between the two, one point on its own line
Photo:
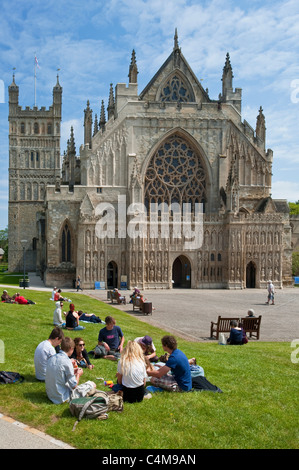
x=184 y=313
x=16 y=435
x=188 y=313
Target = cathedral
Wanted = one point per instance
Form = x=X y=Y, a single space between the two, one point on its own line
x=170 y=189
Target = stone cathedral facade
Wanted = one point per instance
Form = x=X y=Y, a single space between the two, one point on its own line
x=114 y=213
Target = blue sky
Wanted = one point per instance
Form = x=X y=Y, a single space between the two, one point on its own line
x=91 y=43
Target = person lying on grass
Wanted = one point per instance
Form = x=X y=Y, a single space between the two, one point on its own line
x=178 y=364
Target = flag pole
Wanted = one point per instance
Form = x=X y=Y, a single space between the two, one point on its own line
x=35 y=80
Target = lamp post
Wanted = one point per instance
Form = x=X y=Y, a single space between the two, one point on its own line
x=24 y=260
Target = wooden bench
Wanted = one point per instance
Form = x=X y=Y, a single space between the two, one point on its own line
x=116 y=296
x=250 y=325
x=221 y=326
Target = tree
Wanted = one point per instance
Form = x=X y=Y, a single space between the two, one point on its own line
x=295 y=263
x=294 y=208
x=4 y=243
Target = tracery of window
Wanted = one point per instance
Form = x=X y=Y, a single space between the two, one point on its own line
x=66 y=244
x=175 y=89
x=175 y=175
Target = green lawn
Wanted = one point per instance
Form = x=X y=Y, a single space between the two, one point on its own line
x=257 y=409
x=11 y=279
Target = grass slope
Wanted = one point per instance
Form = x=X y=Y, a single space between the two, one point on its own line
x=257 y=409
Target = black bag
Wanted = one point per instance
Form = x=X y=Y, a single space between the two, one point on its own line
x=10 y=377
x=200 y=384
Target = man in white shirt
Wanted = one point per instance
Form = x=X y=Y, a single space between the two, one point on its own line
x=271 y=291
x=44 y=351
x=61 y=379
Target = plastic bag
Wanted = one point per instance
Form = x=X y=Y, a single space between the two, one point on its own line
x=222 y=339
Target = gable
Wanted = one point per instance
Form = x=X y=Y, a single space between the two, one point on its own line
x=175 y=82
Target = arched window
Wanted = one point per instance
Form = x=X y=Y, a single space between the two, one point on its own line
x=175 y=175
x=36 y=128
x=66 y=248
x=176 y=89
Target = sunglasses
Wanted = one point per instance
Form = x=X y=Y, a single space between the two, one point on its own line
x=81 y=344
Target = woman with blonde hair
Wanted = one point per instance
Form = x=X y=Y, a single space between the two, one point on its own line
x=131 y=372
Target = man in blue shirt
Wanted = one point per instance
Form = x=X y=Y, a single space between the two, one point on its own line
x=110 y=341
x=61 y=379
x=180 y=379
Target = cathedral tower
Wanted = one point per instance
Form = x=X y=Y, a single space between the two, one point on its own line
x=34 y=163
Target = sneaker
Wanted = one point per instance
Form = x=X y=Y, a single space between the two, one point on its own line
x=147 y=396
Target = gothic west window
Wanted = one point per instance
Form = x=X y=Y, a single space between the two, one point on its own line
x=175 y=175
x=66 y=244
x=176 y=89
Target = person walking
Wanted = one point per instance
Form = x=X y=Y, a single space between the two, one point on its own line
x=271 y=292
x=79 y=284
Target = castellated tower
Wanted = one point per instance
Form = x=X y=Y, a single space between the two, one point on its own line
x=34 y=163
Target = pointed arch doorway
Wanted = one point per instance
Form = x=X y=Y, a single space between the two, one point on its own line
x=250 y=275
x=112 y=275
x=181 y=273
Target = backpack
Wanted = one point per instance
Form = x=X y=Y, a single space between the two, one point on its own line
x=89 y=408
x=95 y=407
x=10 y=377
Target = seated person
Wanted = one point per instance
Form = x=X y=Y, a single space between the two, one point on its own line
x=58 y=296
x=142 y=299
x=135 y=293
x=250 y=313
x=110 y=341
x=6 y=298
x=53 y=293
x=80 y=354
x=90 y=317
x=19 y=299
x=121 y=298
x=61 y=378
x=148 y=348
x=57 y=317
x=72 y=319
x=131 y=373
x=44 y=350
x=178 y=364
x=236 y=333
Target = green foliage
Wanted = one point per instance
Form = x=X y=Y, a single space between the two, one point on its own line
x=295 y=263
x=4 y=243
x=257 y=409
x=294 y=208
